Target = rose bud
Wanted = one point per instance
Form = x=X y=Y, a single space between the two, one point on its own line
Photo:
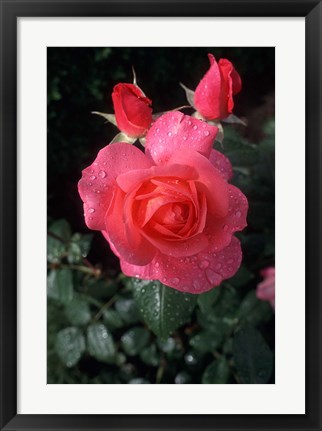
x=133 y=113
x=213 y=96
x=169 y=214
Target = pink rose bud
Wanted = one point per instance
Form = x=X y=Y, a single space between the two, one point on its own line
x=266 y=288
x=132 y=110
x=213 y=97
x=169 y=214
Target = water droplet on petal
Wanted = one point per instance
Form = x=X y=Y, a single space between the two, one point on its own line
x=175 y=281
x=195 y=127
x=204 y=264
x=206 y=133
x=212 y=277
x=92 y=177
x=169 y=133
x=91 y=210
x=184 y=138
x=102 y=174
x=238 y=214
x=196 y=284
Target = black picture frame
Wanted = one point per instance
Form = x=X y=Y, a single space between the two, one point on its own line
x=10 y=11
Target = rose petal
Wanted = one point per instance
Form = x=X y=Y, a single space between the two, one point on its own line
x=194 y=274
x=221 y=230
x=175 y=131
x=126 y=239
x=222 y=164
x=227 y=103
x=213 y=97
x=178 y=248
x=234 y=81
x=128 y=180
x=209 y=181
x=96 y=187
x=132 y=111
x=208 y=95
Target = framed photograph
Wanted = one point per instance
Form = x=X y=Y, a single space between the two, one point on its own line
x=160 y=215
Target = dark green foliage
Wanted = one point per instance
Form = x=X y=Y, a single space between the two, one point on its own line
x=217 y=372
x=252 y=356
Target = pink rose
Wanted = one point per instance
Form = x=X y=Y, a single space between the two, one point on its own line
x=133 y=113
x=266 y=288
x=213 y=97
x=168 y=214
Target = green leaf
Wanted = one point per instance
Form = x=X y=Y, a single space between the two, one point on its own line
x=56 y=243
x=168 y=345
x=171 y=347
x=128 y=310
x=150 y=355
x=100 y=343
x=252 y=356
x=134 y=340
x=232 y=119
x=77 y=311
x=217 y=372
x=79 y=247
x=164 y=309
x=208 y=341
x=139 y=381
x=189 y=94
x=207 y=300
x=60 y=285
x=240 y=152
x=112 y=319
x=70 y=346
x=122 y=137
x=108 y=117
x=254 y=311
x=227 y=303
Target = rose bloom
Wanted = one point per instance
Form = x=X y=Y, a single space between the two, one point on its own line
x=133 y=113
x=168 y=214
x=213 y=96
x=266 y=288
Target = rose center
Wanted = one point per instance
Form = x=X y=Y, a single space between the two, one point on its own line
x=170 y=207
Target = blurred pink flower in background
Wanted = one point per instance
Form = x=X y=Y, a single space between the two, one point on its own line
x=266 y=288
